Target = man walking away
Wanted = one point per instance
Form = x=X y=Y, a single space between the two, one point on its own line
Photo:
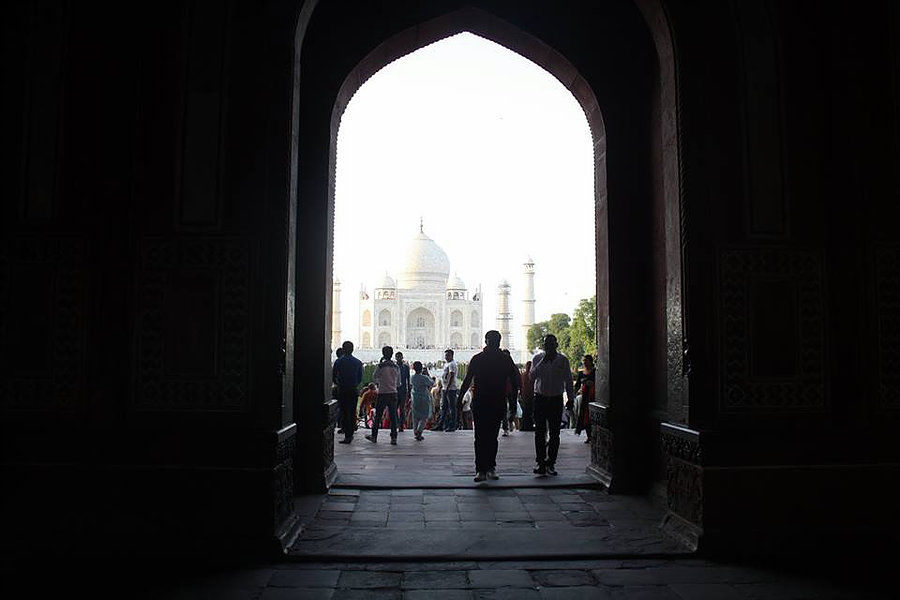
x=347 y=375
x=402 y=391
x=448 y=376
x=552 y=376
x=491 y=370
x=387 y=378
x=421 y=399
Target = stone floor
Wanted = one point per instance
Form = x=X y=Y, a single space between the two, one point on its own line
x=448 y=460
x=407 y=522
x=631 y=579
x=417 y=500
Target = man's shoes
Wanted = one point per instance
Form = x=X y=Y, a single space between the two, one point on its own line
x=346 y=440
x=393 y=441
x=538 y=469
x=505 y=434
x=492 y=475
x=372 y=439
x=480 y=476
x=587 y=441
x=551 y=470
x=341 y=431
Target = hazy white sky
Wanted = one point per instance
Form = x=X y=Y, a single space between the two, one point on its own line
x=491 y=151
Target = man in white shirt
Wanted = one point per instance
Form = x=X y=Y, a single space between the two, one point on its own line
x=552 y=376
x=448 y=405
x=387 y=378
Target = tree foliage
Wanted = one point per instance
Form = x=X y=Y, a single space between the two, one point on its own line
x=577 y=335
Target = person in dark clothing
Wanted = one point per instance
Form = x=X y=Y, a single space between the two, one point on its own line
x=551 y=375
x=526 y=393
x=584 y=386
x=491 y=370
x=403 y=391
x=334 y=390
x=347 y=374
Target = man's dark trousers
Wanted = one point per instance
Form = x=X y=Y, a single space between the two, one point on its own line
x=547 y=415
x=488 y=413
x=346 y=397
x=448 y=410
x=389 y=402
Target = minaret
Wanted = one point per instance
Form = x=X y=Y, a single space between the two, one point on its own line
x=336 y=340
x=527 y=308
x=504 y=317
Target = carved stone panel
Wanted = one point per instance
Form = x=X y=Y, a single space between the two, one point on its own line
x=772 y=326
x=42 y=323
x=179 y=280
x=887 y=299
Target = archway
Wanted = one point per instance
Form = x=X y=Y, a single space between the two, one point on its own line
x=637 y=198
x=420 y=329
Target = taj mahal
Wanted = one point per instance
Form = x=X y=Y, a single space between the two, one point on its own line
x=425 y=310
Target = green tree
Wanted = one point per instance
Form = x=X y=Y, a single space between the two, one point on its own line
x=558 y=325
x=583 y=331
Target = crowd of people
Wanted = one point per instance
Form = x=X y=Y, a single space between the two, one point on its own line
x=494 y=394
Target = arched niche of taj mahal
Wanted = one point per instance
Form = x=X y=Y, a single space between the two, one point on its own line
x=420 y=329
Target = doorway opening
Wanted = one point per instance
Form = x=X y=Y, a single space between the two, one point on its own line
x=464 y=184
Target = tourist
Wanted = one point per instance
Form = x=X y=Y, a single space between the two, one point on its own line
x=490 y=370
x=584 y=383
x=421 y=399
x=437 y=393
x=510 y=401
x=526 y=397
x=467 y=421
x=402 y=391
x=334 y=390
x=387 y=378
x=347 y=374
x=448 y=377
x=552 y=376
x=367 y=403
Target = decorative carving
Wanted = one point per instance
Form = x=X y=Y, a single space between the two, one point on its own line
x=684 y=490
x=229 y=389
x=601 y=440
x=887 y=298
x=330 y=409
x=741 y=391
x=683 y=447
x=283 y=477
x=63 y=386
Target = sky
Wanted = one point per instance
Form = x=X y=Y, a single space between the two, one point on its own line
x=491 y=152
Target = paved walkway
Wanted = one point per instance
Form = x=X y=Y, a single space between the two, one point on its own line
x=418 y=500
x=631 y=579
x=447 y=460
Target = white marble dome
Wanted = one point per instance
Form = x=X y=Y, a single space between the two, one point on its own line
x=426 y=265
x=387 y=282
x=455 y=283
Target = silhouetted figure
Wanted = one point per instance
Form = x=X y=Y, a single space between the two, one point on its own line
x=387 y=378
x=402 y=391
x=526 y=395
x=491 y=370
x=584 y=385
x=347 y=374
x=334 y=390
x=552 y=376
x=421 y=399
x=448 y=378
x=510 y=402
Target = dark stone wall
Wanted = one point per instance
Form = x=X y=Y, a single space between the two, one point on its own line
x=165 y=261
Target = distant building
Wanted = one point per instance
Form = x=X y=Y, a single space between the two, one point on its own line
x=423 y=310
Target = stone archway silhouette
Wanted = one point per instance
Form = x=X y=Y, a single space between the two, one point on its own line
x=659 y=169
